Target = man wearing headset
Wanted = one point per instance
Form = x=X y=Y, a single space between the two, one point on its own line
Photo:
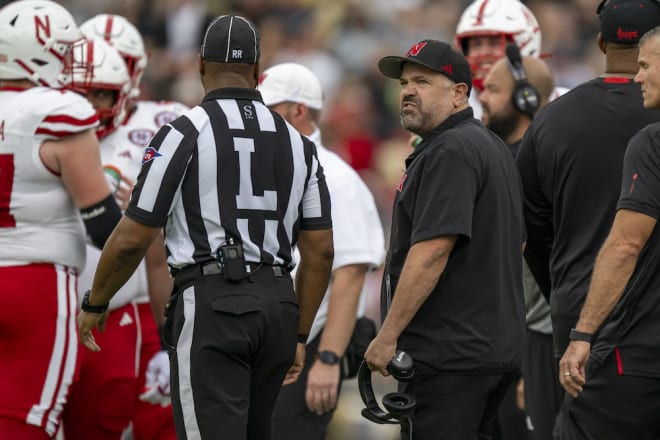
x=508 y=108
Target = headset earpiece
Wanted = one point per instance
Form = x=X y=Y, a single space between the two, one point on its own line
x=399 y=405
x=525 y=98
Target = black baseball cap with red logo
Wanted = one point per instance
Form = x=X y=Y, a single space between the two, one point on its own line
x=433 y=54
x=625 y=21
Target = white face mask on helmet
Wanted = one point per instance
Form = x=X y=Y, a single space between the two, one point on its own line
x=125 y=38
x=509 y=19
x=108 y=73
x=36 y=39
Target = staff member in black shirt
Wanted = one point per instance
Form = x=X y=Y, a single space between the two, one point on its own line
x=515 y=89
x=616 y=395
x=452 y=280
x=236 y=188
x=570 y=164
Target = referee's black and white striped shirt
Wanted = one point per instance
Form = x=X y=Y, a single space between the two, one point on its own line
x=230 y=158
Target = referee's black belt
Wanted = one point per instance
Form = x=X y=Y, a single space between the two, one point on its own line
x=196 y=271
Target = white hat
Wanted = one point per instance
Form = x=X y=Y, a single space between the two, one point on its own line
x=291 y=82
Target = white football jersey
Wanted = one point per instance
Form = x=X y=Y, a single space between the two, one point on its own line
x=38 y=219
x=121 y=155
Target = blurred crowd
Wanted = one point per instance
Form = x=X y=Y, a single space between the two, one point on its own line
x=340 y=41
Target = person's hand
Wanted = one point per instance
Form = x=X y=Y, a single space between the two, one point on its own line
x=379 y=353
x=520 y=394
x=571 y=367
x=322 y=385
x=295 y=370
x=86 y=322
x=157 y=380
x=123 y=193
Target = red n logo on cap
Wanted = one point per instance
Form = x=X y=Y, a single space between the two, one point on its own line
x=414 y=51
x=448 y=69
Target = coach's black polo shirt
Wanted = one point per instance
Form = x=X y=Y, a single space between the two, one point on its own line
x=634 y=328
x=461 y=180
x=570 y=162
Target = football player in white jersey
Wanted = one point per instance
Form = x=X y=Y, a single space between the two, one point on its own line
x=128 y=125
x=484 y=30
x=52 y=189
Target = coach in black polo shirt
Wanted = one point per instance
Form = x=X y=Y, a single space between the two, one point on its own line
x=452 y=285
x=235 y=188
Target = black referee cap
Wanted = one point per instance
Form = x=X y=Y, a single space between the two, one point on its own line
x=625 y=21
x=435 y=55
x=231 y=39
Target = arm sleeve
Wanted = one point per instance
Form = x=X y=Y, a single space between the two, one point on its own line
x=538 y=214
x=100 y=220
x=316 y=213
x=163 y=169
x=357 y=229
x=640 y=188
x=72 y=114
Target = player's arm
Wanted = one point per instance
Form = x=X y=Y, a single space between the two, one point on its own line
x=425 y=262
x=77 y=159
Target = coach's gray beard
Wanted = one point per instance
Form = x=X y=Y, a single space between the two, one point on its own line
x=415 y=122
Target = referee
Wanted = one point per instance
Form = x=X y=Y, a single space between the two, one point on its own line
x=236 y=188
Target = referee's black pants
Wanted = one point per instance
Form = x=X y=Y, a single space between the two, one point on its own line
x=235 y=342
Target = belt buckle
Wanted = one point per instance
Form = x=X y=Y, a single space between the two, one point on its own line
x=212 y=268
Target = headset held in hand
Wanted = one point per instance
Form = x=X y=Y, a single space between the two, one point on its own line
x=400 y=406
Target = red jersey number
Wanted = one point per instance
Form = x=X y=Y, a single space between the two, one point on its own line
x=6 y=184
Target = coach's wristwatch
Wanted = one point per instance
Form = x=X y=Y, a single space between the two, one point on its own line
x=87 y=307
x=328 y=357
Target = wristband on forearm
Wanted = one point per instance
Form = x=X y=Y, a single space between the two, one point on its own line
x=575 y=335
x=87 y=307
x=302 y=339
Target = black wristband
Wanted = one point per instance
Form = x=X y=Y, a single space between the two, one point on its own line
x=302 y=339
x=575 y=335
x=87 y=307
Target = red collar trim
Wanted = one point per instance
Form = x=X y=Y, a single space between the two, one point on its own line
x=616 y=80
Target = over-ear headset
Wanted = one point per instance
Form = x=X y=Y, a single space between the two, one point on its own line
x=400 y=406
x=525 y=98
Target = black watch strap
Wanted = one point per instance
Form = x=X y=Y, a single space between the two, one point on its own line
x=580 y=336
x=329 y=357
x=87 y=307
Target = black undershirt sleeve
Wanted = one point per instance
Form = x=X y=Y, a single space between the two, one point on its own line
x=100 y=220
